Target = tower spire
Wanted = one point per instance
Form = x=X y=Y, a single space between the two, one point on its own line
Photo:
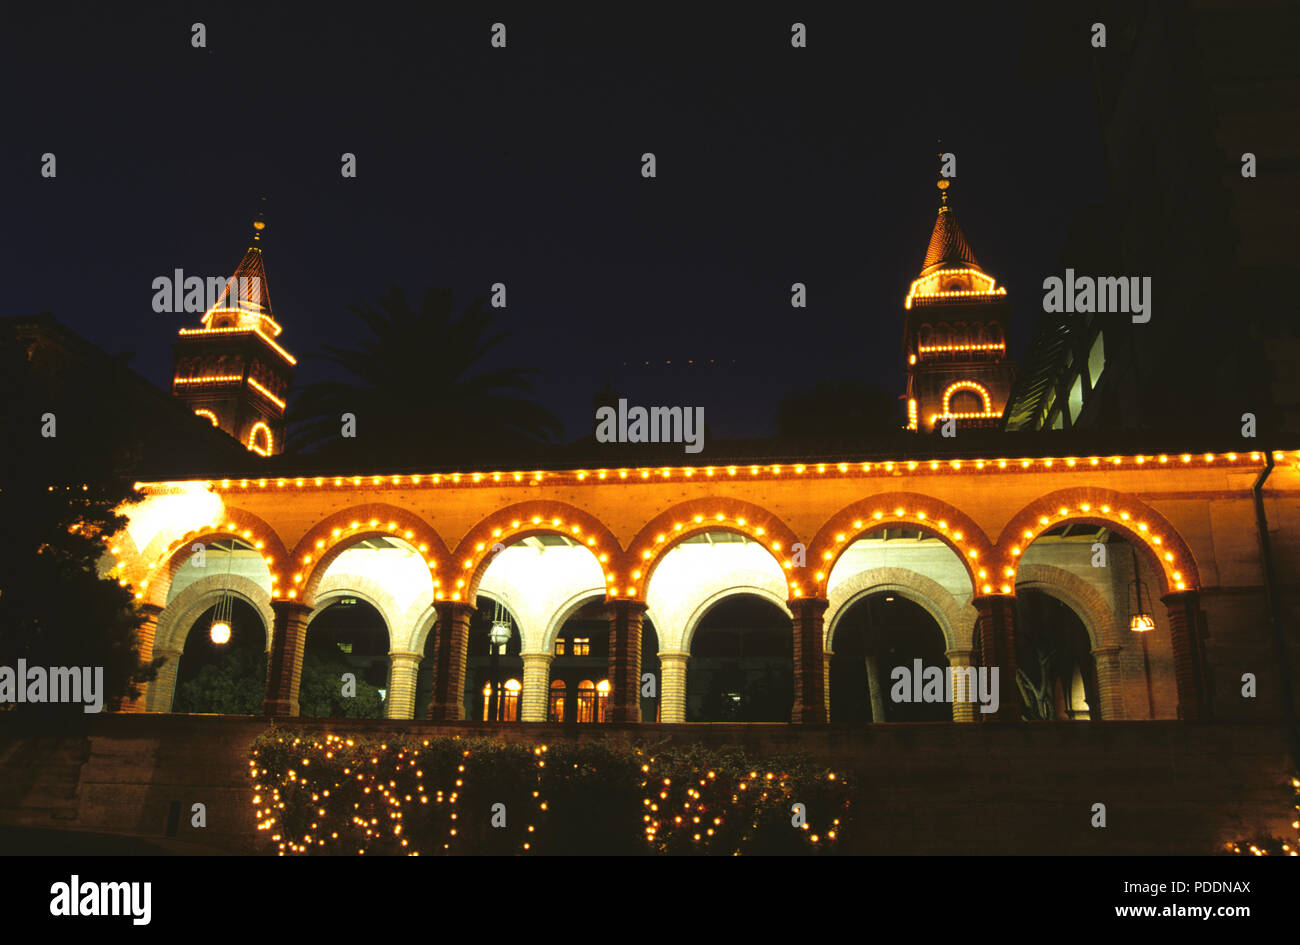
x=259 y=224
x=948 y=248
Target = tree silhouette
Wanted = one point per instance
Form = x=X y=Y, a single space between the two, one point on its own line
x=832 y=410
x=59 y=496
x=419 y=381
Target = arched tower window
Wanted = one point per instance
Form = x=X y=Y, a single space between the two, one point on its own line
x=260 y=439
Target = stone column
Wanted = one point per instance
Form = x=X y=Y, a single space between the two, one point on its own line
x=447 y=703
x=536 y=696
x=144 y=637
x=284 y=673
x=877 y=691
x=998 y=650
x=625 y=660
x=162 y=691
x=809 y=659
x=1186 y=628
x=672 y=686
x=964 y=693
x=1110 y=686
x=403 y=669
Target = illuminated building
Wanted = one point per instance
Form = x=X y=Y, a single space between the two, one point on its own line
x=232 y=371
x=955 y=334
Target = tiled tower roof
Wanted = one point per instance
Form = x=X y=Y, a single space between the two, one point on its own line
x=948 y=247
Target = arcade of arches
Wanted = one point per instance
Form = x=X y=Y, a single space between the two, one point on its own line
x=741 y=593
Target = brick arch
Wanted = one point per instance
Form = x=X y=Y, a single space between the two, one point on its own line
x=956 y=620
x=422 y=617
x=1086 y=601
x=1140 y=524
x=337 y=586
x=329 y=538
x=974 y=387
x=555 y=623
x=234 y=523
x=513 y=524
x=756 y=589
x=177 y=618
x=669 y=528
x=949 y=524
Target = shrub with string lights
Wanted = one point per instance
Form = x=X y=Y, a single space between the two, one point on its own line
x=699 y=800
x=330 y=794
x=1272 y=846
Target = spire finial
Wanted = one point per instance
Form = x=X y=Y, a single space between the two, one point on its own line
x=259 y=224
x=943 y=195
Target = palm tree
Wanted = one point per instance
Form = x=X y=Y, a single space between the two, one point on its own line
x=420 y=392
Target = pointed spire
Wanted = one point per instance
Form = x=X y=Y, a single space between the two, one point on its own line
x=247 y=292
x=948 y=247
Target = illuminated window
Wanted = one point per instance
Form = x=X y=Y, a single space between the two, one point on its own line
x=965 y=401
x=509 y=700
x=581 y=646
x=559 y=647
x=259 y=439
x=1096 y=361
x=602 y=699
x=586 y=701
x=555 y=713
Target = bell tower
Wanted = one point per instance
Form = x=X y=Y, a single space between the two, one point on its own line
x=232 y=371
x=955 y=334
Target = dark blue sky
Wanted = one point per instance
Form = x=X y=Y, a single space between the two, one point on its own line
x=522 y=165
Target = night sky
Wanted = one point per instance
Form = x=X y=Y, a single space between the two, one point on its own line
x=522 y=165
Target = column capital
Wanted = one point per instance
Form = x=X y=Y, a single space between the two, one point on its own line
x=537 y=657
x=1108 y=649
x=152 y=611
x=673 y=655
x=292 y=608
x=981 y=601
x=1175 y=598
x=630 y=604
x=814 y=606
x=960 y=653
x=404 y=655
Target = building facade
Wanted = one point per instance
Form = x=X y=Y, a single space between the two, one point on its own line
x=1100 y=585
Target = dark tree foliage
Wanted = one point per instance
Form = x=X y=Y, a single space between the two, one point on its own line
x=833 y=409
x=419 y=378
x=234 y=686
x=57 y=500
x=320 y=694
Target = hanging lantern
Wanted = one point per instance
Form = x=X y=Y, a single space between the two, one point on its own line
x=499 y=635
x=1141 y=620
x=1141 y=623
x=219 y=632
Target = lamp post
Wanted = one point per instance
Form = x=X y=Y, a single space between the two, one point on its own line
x=498 y=637
x=1141 y=622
